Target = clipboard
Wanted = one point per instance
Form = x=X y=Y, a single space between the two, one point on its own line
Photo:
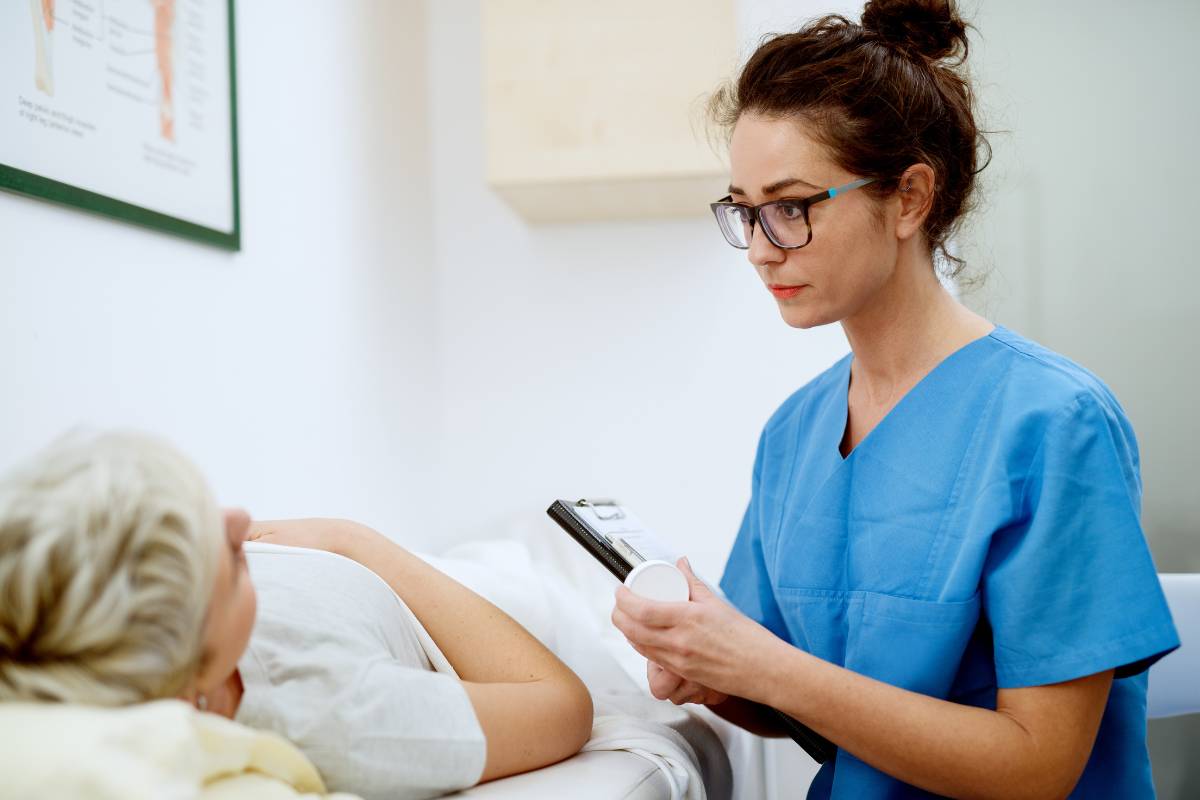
x=611 y=533
x=618 y=540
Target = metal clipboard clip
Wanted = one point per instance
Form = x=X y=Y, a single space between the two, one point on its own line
x=613 y=511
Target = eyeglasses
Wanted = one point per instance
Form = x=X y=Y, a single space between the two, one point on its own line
x=785 y=222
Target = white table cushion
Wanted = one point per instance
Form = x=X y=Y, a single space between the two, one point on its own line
x=595 y=775
x=1175 y=679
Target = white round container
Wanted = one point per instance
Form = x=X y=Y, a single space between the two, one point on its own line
x=658 y=580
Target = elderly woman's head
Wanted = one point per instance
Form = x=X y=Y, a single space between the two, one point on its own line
x=120 y=578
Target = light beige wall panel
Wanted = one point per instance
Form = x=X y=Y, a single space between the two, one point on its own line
x=595 y=110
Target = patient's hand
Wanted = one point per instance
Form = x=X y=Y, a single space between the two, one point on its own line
x=317 y=534
x=666 y=685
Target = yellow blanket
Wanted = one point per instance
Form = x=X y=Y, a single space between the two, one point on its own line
x=164 y=749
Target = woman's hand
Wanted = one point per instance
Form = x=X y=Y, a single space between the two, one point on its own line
x=707 y=644
x=317 y=534
x=666 y=685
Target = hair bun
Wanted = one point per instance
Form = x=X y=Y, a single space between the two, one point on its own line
x=931 y=28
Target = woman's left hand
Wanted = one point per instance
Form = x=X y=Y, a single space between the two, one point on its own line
x=666 y=685
x=705 y=640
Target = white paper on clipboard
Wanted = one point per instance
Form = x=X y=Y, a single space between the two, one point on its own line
x=625 y=532
x=621 y=528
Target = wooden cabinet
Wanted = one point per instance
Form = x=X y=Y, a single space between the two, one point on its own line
x=597 y=110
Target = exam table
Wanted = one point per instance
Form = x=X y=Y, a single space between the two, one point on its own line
x=548 y=584
x=618 y=775
x=600 y=775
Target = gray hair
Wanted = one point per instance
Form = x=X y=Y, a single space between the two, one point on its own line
x=108 y=556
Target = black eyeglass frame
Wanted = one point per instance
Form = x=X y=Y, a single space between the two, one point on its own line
x=804 y=203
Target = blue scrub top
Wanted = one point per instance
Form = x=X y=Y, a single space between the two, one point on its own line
x=985 y=534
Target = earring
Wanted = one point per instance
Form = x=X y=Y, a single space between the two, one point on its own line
x=201 y=701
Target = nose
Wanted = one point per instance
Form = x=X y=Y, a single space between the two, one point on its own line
x=762 y=250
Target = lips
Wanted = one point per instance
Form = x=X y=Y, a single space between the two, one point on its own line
x=784 y=291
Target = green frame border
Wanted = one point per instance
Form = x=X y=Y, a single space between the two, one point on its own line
x=31 y=185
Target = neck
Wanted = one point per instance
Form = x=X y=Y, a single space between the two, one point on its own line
x=907 y=328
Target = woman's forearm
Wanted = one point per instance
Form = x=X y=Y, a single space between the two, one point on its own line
x=482 y=642
x=940 y=746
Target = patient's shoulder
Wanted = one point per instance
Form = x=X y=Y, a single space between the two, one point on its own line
x=313 y=599
x=337 y=665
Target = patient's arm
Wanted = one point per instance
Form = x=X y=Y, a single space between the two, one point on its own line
x=533 y=710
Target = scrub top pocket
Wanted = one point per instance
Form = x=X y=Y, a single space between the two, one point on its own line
x=913 y=644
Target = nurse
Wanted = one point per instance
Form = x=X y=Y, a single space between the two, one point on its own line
x=942 y=568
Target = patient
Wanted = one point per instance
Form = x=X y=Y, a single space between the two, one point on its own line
x=121 y=581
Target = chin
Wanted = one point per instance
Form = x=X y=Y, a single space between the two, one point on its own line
x=804 y=318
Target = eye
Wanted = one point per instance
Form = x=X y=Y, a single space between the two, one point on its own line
x=791 y=211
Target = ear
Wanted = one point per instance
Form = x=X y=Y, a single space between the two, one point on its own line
x=916 y=193
x=190 y=695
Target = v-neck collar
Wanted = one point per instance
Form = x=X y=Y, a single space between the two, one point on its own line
x=842 y=397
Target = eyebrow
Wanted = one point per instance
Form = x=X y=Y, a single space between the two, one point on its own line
x=772 y=188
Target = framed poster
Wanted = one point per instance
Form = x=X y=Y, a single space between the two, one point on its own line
x=126 y=108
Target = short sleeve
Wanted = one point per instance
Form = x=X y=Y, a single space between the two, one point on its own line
x=372 y=727
x=1071 y=589
x=335 y=665
x=746 y=582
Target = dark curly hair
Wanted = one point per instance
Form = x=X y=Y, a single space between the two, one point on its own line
x=880 y=95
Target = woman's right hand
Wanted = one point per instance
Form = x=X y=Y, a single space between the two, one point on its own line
x=317 y=534
x=666 y=685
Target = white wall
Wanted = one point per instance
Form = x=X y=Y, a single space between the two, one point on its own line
x=436 y=371
x=637 y=360
x=299 y=372
x=1089 y=228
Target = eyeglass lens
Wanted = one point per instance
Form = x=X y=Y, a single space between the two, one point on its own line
x=786 y=223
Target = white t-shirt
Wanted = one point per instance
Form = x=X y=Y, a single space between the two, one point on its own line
x=341 y=667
